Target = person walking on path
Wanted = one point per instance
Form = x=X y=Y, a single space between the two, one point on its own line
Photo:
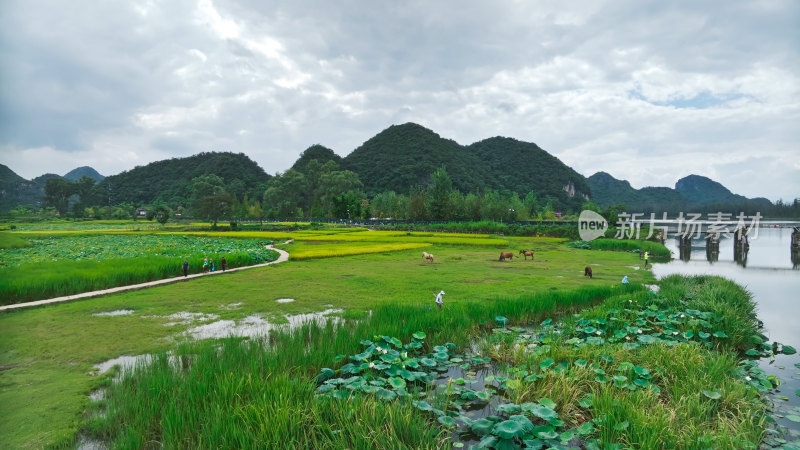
x=185 y=267
x=224 y=263
x=646 y=255
x=439 y=300
x=205 y=265
x=211 y=264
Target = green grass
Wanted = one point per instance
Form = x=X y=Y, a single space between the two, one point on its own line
x=60 y=343
x=66 y=265
x=13 y=241
x=679 y=415
x=47 y=352
x=656 y=249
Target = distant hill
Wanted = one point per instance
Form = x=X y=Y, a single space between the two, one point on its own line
x=77 y=174
x=16 y=191
x=320 y=153
x=169 y=180
x=522 y=167
x=693 y=191
x=403 y=156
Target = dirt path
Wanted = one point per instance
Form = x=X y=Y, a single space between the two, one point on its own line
x=284 y=256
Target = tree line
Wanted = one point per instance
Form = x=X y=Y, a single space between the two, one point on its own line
x=323 y=190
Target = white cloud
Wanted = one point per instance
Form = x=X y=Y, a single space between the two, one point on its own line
x=647 y=91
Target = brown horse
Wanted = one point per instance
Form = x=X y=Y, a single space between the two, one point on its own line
x=504 y=255
x=527 y=253
x=587 y=271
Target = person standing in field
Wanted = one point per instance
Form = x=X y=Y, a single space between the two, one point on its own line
x=185 y=267
x=205 y=265
x=224 y=263
x=439 y=300
x=646 y=255
x=211 y=264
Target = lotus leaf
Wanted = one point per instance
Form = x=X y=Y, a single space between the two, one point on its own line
x=487 y=442
x=483 y=395
x=545 y=432
x=713 y=395
x=447 y=421
x=535 y=444
x=704 y=335
x=482 y=427
x=324 y=389
x=526 y=423
x=501 y=320
x=546 y=363
x=428 y=362
x=422 y=405
x=508 y=429
x=544 y=401
x=622 y=426
x=647 y=339
x=508 y=408
x=788 y=350
x=544 y=412
x=341 y=394
x=586 y=428
x=326 y=374
x=586 y=401
x=419 y=335
x=397 y=382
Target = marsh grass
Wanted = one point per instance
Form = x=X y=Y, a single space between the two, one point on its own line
x=28 y=282
x=678 y=414
x=656 y=249
x=227 y=394
x=12 y=240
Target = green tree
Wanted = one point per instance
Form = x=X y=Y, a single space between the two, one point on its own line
x=161 y=213
x=286 y=193
x=210 y=201
x=417 y=204
x=440 y=195
x=57 y=192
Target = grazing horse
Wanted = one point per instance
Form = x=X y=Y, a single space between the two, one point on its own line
x=527 y=253
x=504 y=255
x=427 y=257
x=587 y=271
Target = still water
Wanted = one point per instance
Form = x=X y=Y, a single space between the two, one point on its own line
x=771 y=272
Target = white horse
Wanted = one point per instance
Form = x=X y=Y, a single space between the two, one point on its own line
x=427 y=256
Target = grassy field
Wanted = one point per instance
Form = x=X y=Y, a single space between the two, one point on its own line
x=48 y=352
x=660 y=392
x=618 y=366
x=60 y=264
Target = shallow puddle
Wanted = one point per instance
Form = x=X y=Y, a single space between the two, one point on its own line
x=284 y=300
x=256 y=326
x=185 y=318
x=125 y=362
x=119 y=312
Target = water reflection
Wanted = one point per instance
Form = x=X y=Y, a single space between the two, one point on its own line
x=774 y=281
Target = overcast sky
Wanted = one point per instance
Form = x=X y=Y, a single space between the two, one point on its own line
x=648 y=91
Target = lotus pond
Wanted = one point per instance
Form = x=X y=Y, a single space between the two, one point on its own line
x=671 y=369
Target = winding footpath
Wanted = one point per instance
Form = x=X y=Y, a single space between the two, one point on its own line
x=284 y=256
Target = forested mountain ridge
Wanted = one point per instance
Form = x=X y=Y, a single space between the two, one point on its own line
x=77 y=174
x=693 y=191
x=15 y=190
x=170 y=180
x=523 y=167
x=405 y=156
x=402 y=157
